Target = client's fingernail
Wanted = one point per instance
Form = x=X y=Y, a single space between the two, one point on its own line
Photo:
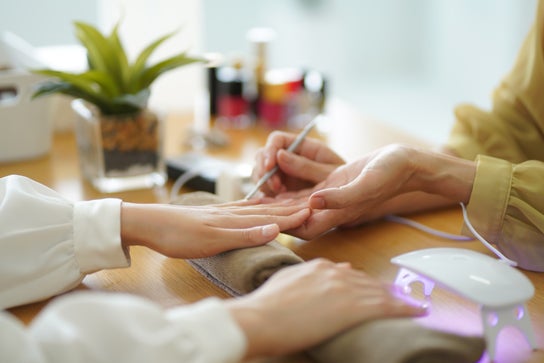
x=424 y=306
x=270 y=230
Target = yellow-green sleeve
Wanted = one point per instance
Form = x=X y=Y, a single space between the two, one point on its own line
x=507 y=200
x=507 y=208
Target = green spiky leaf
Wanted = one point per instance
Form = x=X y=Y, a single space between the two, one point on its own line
x=112 y=83
x=139 y=65
x=121 y=56
x=149 y=75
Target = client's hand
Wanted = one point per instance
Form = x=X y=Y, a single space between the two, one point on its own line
x=311 y=164
x=200 y=231
x=302 y=305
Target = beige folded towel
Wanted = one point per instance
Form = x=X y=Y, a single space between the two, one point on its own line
x=398 y=341
x=246 y=269
x=379 y=341
x=241 y=271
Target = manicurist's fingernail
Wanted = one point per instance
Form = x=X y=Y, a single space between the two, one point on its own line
x=268 y=157
x=317 y=203
x=286 y=156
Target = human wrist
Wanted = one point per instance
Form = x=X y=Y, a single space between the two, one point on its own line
x=134 y=229
x=445 y=175
x=250 y=321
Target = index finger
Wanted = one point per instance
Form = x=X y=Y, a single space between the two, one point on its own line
x=309 y=148
x=277 y=140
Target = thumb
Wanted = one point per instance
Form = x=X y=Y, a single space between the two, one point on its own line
x=333 y=198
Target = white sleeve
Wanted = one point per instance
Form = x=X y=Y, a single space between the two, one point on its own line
x=48 y=243
x=98 y=327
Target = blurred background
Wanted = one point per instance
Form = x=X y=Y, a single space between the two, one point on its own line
x=407 y=63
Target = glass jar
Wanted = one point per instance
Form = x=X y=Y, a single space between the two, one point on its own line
x=119 y=152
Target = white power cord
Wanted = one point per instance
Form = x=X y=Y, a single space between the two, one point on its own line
x=481 y=239
x=454 y=237
x=181 y=180
x=231 y=184
x=424 y=228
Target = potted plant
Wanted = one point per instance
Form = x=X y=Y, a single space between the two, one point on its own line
x=119 y=138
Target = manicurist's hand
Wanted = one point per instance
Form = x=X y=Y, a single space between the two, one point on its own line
x=395 y=170
x=199 y=231
x=305 y=304
x=310 y=164
x=382 y=182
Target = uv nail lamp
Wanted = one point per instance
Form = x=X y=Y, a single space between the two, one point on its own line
x=501 y=290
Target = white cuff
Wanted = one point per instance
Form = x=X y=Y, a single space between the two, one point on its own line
x=97 y=235
x=218 y=336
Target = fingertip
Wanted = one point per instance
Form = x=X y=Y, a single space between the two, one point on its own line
x=255 y=200
x=317 y=202
x=270 y=231
x=421 y=309
x=303 y=214
x=424 y=308
x=413 y=306
x=283 y=155
x=344 y=265
x=269 y=159
x=274 y=183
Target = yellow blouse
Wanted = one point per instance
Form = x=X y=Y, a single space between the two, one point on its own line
x=507 y=201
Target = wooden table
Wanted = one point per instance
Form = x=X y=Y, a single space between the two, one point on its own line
x=172 y=282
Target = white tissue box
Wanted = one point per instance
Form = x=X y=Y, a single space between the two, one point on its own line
x=25 y=124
